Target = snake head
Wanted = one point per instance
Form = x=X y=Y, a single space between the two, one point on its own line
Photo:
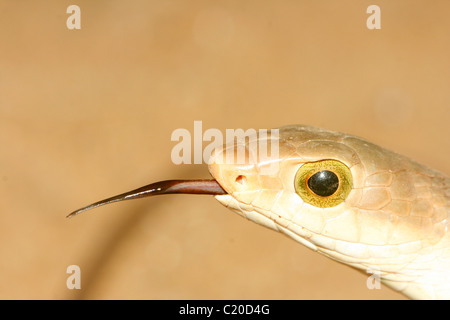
x=346 y=198
x=271 y=192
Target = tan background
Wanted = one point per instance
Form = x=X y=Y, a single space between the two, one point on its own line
x=87 y=114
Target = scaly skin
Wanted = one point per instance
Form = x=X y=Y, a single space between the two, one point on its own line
x=394 y=220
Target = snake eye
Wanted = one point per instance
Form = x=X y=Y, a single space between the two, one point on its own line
x=324 y=183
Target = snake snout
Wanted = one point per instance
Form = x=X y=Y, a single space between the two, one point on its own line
x=241 y=167
x=234 y=177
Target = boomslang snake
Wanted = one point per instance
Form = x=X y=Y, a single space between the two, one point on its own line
x=343 y=197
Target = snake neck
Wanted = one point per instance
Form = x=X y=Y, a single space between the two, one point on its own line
x=427 y=276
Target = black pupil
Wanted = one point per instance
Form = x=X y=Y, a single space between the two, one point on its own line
x=323 y=183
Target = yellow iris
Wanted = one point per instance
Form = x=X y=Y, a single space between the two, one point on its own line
x=324 y=183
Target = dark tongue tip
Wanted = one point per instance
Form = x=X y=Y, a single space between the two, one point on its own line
x=209 y=187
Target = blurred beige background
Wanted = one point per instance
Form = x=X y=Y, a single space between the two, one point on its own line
x=86 y=114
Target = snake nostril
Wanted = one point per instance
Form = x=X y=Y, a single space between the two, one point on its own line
x=241 y=179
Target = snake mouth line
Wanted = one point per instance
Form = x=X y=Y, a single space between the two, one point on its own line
x=208 y=187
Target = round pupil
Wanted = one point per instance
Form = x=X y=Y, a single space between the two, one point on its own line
x=323 y=183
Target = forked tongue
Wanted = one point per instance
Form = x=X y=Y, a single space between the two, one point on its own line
x=210 y=187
